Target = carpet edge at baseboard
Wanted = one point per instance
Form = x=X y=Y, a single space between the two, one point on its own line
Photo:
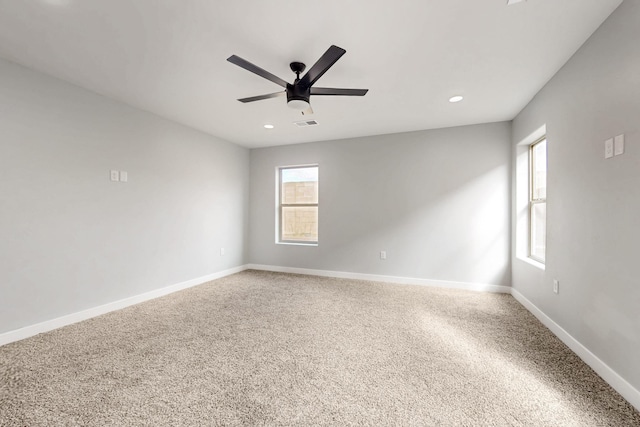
x=481 y=287
x=622 y=386
x=68 y=319
x=626 y=390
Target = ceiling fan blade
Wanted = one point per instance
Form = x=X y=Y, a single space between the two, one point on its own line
x=243 y=63
x=336 y=91
x=260 y=97
x=322 y=65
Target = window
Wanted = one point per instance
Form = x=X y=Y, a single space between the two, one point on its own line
x=298 y=204
x=538 y=200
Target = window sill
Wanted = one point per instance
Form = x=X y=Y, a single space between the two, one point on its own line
x=297 y=243
x=532 y=262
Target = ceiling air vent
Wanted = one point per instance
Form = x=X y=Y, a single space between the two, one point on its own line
x=306 y=123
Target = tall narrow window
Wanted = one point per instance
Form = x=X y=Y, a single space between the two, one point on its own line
x=298 y=204
x=538 y=200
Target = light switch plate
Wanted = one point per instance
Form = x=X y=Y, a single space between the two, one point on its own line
x=115 y=176
x=124 y=176
x=618 y=145
x=608 y=148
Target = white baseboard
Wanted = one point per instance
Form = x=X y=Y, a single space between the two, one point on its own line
x=626 y=390
x=387 y=279
x=49 y=325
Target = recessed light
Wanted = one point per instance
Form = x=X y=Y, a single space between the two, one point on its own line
x=268 y=126
x=456 y=98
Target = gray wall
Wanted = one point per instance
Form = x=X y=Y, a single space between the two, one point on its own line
x=69 y=238
x=593 y=203
x=436 y=201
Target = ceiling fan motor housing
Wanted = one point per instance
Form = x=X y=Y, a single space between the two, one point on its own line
x=296 y=92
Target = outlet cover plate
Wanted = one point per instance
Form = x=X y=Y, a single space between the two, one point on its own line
x=618 y=145
x=608 y=148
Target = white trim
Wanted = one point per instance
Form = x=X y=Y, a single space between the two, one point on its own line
x=531 y=261
x=534 y=136
x=49 y=325
x=626 y=390
x=482 y=287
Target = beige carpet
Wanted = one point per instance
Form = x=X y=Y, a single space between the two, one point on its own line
x=260 y=348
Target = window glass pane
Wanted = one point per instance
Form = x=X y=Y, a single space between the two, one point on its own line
x=539 y=172
x=299 y=186
x=538 y=230
x=300 y=223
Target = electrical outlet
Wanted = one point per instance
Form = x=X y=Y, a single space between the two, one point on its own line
x=115 y=176
x=556 y=286
x=608 y=148
x=383 y=254
x=221 y=251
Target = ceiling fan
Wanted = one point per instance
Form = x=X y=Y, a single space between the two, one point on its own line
x=300 y=91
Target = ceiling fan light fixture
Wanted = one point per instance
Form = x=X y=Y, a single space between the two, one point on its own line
x=298 y=104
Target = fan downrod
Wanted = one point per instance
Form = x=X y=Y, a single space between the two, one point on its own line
x=297 y=67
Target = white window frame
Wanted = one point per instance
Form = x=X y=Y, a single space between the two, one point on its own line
x=536 y=201
x=280 y=206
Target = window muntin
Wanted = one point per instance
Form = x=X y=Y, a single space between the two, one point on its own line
x=538 y=200
x=298 y=204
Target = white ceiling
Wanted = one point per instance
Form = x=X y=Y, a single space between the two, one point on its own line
x=169 y=57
